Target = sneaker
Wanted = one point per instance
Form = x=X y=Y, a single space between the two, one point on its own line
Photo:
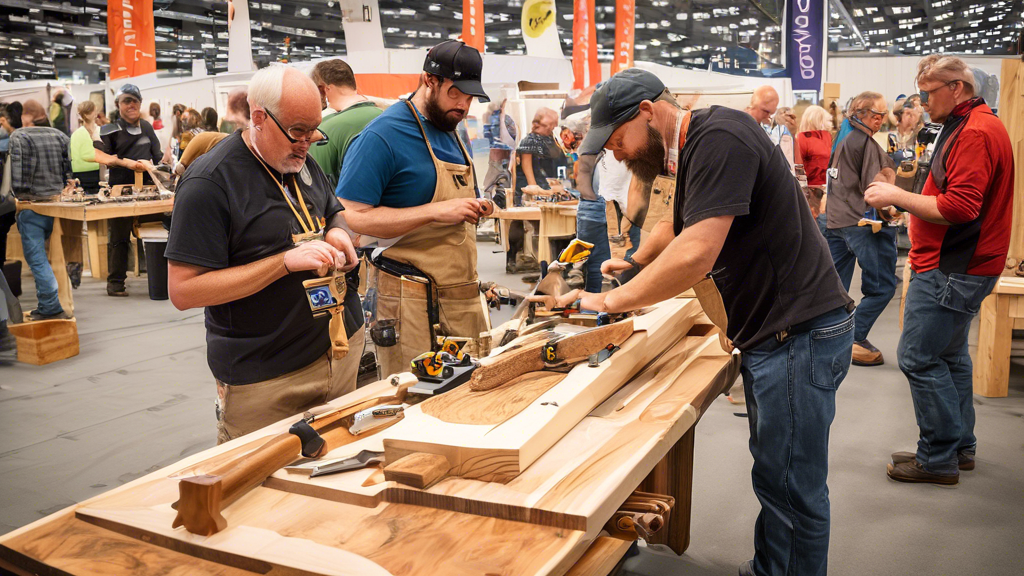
x=75 y=273
x=964 y=459
x=36 y=315
x=116 y=290
x=747 y=568
x=913 y=472
x=864 y=354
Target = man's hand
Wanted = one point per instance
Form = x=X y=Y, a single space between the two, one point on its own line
x=315 y=255
x=340 y=240
x=458 y=211
x=146 y=165
x=135 y=165
x=882 y=194
x=615 y=266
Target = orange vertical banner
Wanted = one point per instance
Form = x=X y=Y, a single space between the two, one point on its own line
x=130 y=35
x=595 y=66
x=625 y=25
x=473 y=23
x=581 y=17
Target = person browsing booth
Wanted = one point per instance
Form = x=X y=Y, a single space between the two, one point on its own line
x=408 y=186
x=254 y=221
x=785 y=307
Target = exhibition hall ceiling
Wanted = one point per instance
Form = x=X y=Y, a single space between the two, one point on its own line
x=51 y=38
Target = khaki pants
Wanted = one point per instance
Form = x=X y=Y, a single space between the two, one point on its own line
x=247 y=408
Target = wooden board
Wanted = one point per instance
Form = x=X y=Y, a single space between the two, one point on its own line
x=500 y=453
x=461 y=406
x=580 y=481
x=1011 y=112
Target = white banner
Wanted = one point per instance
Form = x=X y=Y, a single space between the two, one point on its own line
x=540 y=30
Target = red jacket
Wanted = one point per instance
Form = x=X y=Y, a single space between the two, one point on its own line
x=815 y=147
x=977 y=201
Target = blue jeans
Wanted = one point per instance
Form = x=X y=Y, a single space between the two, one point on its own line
x=876 y=254
x=822 y=221
x=790 y=389
x=933 y=354
x=35 y=229
x=592 y=226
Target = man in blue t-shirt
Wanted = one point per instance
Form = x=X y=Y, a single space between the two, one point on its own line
x=407 y=184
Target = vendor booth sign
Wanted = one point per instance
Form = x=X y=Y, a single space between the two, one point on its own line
x=131 y=39
x=805 y=49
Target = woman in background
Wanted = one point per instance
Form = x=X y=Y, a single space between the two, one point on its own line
x=154 y=115
x=210 y=119
x=83 y=156
x=815 y=145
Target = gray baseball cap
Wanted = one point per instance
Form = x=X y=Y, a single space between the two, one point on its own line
x=128 y=90
x=616 y=102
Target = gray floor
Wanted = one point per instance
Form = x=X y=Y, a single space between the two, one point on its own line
x=140 y=396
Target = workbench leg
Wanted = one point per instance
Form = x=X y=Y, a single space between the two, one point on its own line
x=102 y=234
x=992 y=361
x=505 y=224
x=673 y=476
x=60 y=269
x=93 y=241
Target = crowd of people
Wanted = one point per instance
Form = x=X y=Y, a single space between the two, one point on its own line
x=772 y=207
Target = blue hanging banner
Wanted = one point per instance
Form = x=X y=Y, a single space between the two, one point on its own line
x=805 y=43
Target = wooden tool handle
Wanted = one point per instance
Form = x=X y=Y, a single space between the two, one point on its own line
x=339 y=338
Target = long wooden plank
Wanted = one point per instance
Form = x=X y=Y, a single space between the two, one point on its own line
x=502 y=452
x=601 y=558
x=92 y=212
x=581 y=480
x=291 y=532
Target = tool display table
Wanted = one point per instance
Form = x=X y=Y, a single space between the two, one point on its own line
x=1001 y=313
x=550 y=519
x=554 y=221
x=95 y=216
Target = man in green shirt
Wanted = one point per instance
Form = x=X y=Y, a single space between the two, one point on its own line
x=354 y=111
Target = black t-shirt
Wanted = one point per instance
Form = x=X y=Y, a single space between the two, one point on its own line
x=547 y=157
x=129 y=143
x=229 y=212
x=774 y=270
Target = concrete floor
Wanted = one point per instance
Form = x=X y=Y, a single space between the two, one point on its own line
x=139 y=396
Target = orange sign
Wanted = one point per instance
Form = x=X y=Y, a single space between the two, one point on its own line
x=131 y=38
x=473 y=23
x=625 y=18
x=584 y=44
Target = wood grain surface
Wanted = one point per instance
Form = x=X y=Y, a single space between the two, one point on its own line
x=467 y=406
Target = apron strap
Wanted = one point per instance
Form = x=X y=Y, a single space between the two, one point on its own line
x=430 y=149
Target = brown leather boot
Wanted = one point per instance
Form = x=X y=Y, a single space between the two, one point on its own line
x=913 y=472
x=864 y=354
x=964 y=460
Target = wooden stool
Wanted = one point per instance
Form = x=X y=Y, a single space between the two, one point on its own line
x=46 y=341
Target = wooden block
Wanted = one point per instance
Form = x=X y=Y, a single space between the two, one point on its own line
x=603 y=557
x=992 y=361
x=674 y=476
x=418 y=470
x=46 y=341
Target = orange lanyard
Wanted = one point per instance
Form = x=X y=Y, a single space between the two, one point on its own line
x=307 y=228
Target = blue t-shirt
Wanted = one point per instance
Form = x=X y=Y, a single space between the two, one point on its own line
x=388 y=163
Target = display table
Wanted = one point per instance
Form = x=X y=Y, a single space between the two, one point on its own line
x=1001 y=313
x=549 y=519
x=554 y=221
x=95 y=216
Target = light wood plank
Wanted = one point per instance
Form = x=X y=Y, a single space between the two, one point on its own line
x=601 y=558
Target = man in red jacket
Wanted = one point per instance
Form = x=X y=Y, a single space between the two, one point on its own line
x=960 y=232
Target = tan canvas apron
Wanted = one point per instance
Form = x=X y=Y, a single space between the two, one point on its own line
x=447 y=254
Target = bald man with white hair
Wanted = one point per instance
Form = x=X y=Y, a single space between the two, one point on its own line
x=253 y=219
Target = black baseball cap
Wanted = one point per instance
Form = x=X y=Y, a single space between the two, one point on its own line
x=461 y=64
x=616 y=102
x=129 y=90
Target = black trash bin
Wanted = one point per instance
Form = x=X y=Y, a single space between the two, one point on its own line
x=156 y=267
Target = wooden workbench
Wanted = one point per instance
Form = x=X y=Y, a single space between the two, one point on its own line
x=95 y=216
x=546 y=521
x=1001 y=313
x=554 y=221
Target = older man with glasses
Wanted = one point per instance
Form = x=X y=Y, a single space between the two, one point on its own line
x=852 y=239
x=253 y=219
x=960 y=225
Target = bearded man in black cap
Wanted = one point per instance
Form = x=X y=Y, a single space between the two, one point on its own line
x=127 y=146
x=739 y=232
x=408 y=187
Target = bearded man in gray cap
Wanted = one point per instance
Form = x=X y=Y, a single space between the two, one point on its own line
x=127 y=146
x=739 y=231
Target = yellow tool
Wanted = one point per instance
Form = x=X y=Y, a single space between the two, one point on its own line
x=576 y=251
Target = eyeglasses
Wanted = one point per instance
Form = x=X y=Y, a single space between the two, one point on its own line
x=294 y=135
x=925 y=93
x=129 y=100
x=879 y=114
